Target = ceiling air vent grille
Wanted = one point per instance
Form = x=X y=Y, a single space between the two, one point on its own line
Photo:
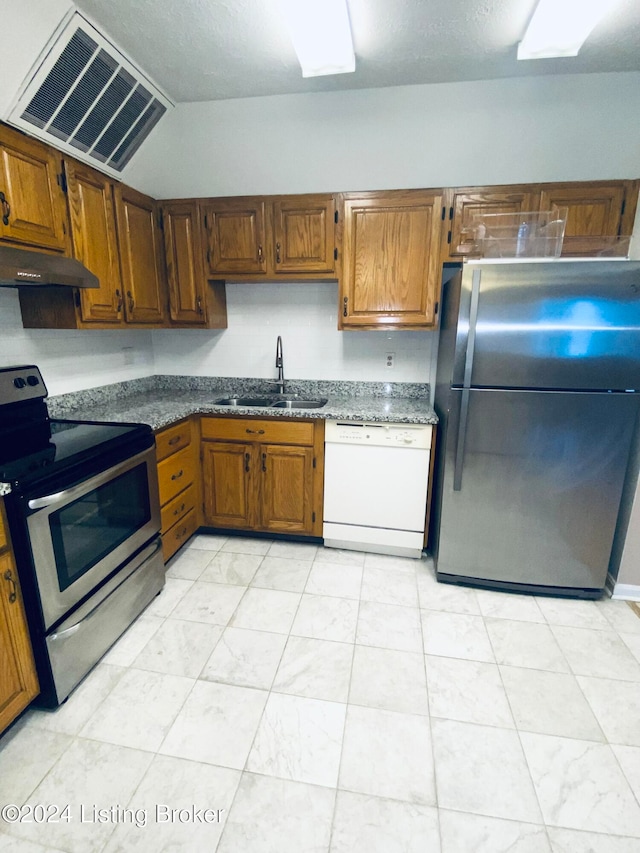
x=88 y=99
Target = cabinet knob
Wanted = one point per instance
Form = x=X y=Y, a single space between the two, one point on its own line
x=8 y=576
x=6 y=208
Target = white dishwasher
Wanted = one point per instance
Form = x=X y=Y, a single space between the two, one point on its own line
x=376 y=477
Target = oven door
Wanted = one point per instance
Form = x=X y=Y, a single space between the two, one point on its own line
x=82 y=534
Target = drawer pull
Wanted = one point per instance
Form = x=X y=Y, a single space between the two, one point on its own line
x=255 y=431
x=174 y=440
x=179 y=509
x=277 y=253
x=181 y=533
x=8 y=576
x=178 y=475
x=6 y=209
x=260 y=255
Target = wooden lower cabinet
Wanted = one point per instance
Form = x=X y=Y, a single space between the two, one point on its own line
x=18 y=679
x=179 y=484
x=268 y=479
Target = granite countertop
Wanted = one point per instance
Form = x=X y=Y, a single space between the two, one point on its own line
x=163 y=400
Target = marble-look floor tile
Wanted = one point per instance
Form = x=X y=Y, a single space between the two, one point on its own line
x=172 y=784
x=171 y=594
x=317 y=669
x=632 y=642
x=389 y=587
x=189 y=564
x=469 y=833
x=525 y=644
x=227 y=567
x=246 y=545
x=266 y=610
x=245 y=658
x=206 y=542
x=580 y=785
x=601 y=654
x=284 y=573
x=468 y=691
x=616 y=705
x=571 y=613
x=619 y=615
x=11 y=844
x=26 y=756
x=389 y=626
x=342 y=556
x=179 y=648
x=90 y=774
x=456 y=635
x=451 y=598
x=549 y=703
x=505 y=605
x=213 y=603
x=132 y=642
x=216 y=725
x=139 y=710
x=389 y=679
x=387 y=754
x=71 y=716
x=629 y=759
x=389 y=563
x=572 y=841
x=272 y=815
x=483 y=770
x=335 y=580
x=322 y=617
x=299 y=739
x=293 y=550
x=365 y=824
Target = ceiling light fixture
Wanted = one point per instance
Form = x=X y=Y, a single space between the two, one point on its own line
x=321 y=36
x=560 y=27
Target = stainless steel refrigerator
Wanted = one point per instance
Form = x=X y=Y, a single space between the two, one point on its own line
x=538 y=392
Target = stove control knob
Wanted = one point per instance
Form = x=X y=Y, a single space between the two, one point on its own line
x=33 y=379
x=19 y=382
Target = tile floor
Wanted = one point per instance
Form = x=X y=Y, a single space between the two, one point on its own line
x=318 y=700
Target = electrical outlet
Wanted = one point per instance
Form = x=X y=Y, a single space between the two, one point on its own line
x=391 y=360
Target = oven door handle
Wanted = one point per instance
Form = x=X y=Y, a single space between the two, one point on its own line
x=60 y=635
x=50 y=500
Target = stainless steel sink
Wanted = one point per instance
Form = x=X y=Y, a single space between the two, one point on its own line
x=300 y=404
x=245 y=401
x=279 y=402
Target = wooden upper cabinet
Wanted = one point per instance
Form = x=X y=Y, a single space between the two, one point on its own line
x=463 y=204
x=93 y=231
x=32 y=204
x=193 y=301
x=236 y=236
x=303 y=238
x=141 y=252
x=596 y=211
x=391 y=265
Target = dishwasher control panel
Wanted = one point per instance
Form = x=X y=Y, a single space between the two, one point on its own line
x=378 y=434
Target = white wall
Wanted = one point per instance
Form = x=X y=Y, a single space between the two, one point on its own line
x=305 y=315
x=72 y=360
x=553 y=128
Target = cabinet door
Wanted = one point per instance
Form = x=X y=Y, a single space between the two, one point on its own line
x=18 y=680
x=286 y=488
x=141 y=256
x=304 y=234
x=594 y=211
x=228 y=471
x=391 y=267
x=32 y=204
x=463 y=204
x=236 y=236
x=185 y=263
x=93 y=230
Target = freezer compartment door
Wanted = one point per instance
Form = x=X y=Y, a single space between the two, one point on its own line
x=531 y=485
x=573 y=326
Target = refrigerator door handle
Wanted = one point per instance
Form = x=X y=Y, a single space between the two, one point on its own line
x=466 y=385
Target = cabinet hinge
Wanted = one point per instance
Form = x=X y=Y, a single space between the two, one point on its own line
x=160 y=221
x=436 y=308
x=61 y=178
x=313 y=517
x=314 y=461
x=209 y=256
x=449 y=237
x=206 y=221
x=450 y=213
x=335 y=217
x=335 y=254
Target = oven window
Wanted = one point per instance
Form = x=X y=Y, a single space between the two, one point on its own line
x=84 y=531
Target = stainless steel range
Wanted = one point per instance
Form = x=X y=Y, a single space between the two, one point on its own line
x=84 y=515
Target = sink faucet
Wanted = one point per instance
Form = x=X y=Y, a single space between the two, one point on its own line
x=280 y=365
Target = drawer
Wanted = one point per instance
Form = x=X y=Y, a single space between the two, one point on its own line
x=177 y=535
x=261 y=430
x=175 y=473
x=171 y=440
x=177 y=508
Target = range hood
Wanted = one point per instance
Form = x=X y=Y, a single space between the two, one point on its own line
x=22 y=267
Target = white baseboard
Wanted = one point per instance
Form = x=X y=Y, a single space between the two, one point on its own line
x=626 y=591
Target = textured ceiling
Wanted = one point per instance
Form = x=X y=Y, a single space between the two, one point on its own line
x=204 y=50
